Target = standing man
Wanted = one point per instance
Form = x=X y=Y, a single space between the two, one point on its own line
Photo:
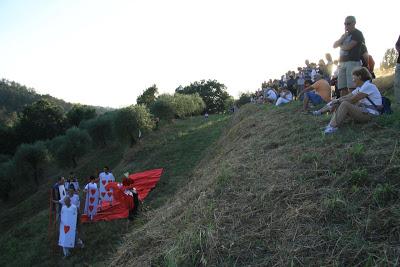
x=397 y=75
x=92 y=198
x=106 y=177
x=69 y=215
x=58 y=193
x=350 y=53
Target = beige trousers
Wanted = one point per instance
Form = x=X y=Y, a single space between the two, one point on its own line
x=348 y=110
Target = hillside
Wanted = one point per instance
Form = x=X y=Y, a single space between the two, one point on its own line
x=276 y=192
x=177 y=147
x=263 y=187
x=14 y=97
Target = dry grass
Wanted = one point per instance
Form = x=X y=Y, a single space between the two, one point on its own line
x=275 y=192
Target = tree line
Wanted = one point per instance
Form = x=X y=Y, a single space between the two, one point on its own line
x=44 y=135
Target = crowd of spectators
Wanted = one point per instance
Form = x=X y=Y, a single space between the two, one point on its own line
x=343 y=87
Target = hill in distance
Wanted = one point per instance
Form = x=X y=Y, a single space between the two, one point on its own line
x=14 y=97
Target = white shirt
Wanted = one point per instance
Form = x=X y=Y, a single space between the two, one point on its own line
x=271 y=94
x=288 y=95
x=373 y=93
x=74 y=200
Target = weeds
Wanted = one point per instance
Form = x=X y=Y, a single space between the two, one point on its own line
x=384 y=194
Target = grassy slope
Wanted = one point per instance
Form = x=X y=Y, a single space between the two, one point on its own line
x=177 y=148
x=275 y=191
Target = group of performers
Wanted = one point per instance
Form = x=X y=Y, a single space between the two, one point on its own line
x=101 y=193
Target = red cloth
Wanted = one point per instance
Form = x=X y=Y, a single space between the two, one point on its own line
x=144 y=182
x=122 y=203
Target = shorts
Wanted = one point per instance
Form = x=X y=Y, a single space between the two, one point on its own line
x=316 y=99
x=345 y=78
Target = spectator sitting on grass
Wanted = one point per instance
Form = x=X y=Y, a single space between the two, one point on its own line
x=317 y=93
x=271 y=95
x=285 y=96
x=361 y=105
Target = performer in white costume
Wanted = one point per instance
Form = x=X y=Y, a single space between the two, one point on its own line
x=69 y=215
x=92 y=198
x=106 y=177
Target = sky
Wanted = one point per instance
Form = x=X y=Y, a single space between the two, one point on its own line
x=106 y=53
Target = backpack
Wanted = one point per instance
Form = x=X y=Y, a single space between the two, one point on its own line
x=386 y=105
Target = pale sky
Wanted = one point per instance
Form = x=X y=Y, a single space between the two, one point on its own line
x=107 y=52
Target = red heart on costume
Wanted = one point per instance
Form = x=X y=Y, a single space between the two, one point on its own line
x=90 y=208
x=109 y=194
x=93 y=191
x=103 y=194
x=66 y=228
x=91 y=199
x=103 y=182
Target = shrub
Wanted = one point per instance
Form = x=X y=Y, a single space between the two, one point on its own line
x=80 y=113
x=8 y=171
x=131 y=121
x=30 y=160
x=169 y=106
x=68 y=149
x=100 y=129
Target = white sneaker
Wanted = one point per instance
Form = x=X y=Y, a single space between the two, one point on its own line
x=316 y=113
x=330 y=130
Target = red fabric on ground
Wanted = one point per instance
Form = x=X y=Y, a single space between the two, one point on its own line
x=144 y=182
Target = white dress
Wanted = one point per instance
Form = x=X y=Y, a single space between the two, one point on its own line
x=68 y=226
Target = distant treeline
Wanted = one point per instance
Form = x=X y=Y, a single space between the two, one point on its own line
x=14 y=97
x=44 y=134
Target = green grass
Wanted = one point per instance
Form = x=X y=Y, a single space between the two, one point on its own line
x=281 y=193
x=177 y=148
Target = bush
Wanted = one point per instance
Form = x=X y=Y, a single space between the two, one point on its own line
x=79 y=113
x=8 y=171
x=69 y=148
x=131 y=121
x=168 y=106
x=163 y=109
x=100 y=129
x=30 y=160
x=243 y=99
x=40 y=121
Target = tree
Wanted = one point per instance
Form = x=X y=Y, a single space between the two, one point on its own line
x=7 y=172
x=389 y=59
x=212 y=92
x=229 y=103
x=69 y=148
x=243 y=99
x=40 y=121
x=148 y=97
x=131 y=121
x=8 y=140
x=79 y=113
x=100 y=129
x=168 y=107
x=164 y=108
x=30 y=160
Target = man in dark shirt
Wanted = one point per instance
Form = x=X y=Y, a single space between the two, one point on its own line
x=291 y=85
x=350 y=53
x=58 y=192
x=397 y=74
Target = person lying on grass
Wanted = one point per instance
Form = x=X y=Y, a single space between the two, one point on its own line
x=317 y=93
x=361 y=105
